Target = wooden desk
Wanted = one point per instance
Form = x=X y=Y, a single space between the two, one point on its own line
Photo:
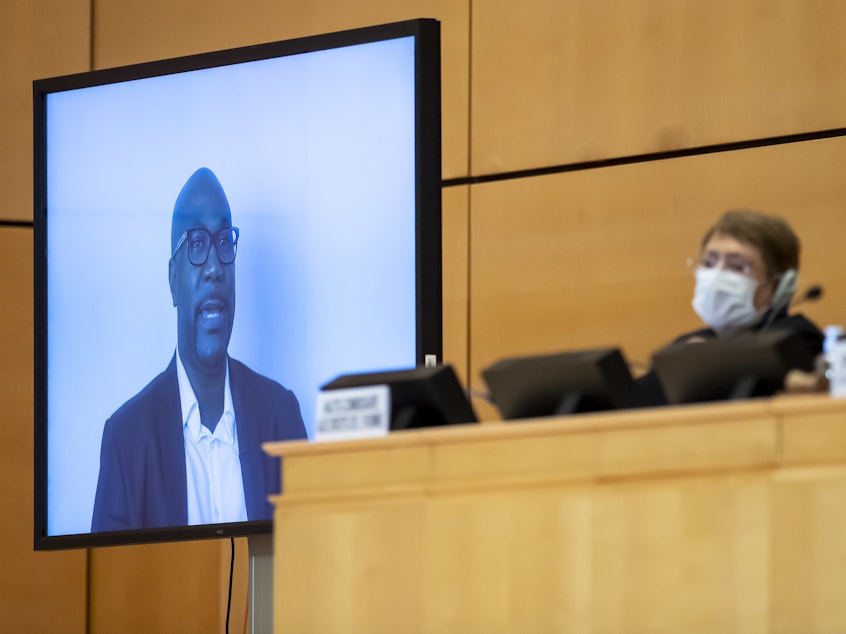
x=716 y=518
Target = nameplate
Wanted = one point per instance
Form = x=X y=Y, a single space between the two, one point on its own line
x=351 y=413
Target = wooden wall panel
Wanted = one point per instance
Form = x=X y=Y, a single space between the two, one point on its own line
x=44 y=591
x=142 y=30
x=456 y=255
x=563 y=82
x=38 y=39
x=175 y=587
x=598 y=257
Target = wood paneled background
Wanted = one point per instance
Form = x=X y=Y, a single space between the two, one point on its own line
x=546 y=247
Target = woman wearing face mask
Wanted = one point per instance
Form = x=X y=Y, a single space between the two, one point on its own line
x=745 y=277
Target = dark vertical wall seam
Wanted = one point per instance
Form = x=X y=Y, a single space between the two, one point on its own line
x=467 y=282
x=91 y=35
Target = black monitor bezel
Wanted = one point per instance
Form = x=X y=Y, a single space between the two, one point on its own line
x=429 y=340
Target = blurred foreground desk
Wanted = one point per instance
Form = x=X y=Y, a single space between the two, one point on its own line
x=716 y=518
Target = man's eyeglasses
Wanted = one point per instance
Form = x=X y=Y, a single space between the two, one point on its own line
x=199 y=241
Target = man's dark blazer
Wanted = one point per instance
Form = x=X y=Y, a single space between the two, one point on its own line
x=142 y=482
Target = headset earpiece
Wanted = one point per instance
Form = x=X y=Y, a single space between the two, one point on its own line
x=784 y=290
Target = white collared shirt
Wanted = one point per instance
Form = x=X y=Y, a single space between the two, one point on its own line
x=212 y=461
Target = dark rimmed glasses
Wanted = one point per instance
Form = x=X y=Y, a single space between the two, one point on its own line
x=199 y=241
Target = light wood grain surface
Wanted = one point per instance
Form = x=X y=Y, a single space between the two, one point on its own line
x=690 y=519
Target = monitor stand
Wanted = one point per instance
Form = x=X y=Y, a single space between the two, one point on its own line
x=261 y=583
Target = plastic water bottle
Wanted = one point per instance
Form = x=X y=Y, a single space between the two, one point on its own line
x=834 y=350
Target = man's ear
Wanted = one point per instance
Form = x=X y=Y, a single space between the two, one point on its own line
x=171 y=278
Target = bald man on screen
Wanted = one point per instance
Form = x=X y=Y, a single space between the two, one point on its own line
x=186 y=450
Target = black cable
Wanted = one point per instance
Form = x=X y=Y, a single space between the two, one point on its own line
x=231 y=568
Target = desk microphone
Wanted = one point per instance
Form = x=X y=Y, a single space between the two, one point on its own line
x=812 y=294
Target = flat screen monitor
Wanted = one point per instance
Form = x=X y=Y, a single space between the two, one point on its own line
x=326 y=151
x=730 y=368
x=420 y=397
x=560 y=384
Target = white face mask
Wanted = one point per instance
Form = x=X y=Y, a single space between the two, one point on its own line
x=724 y=299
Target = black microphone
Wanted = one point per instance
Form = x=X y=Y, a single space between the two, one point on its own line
x=812 y=294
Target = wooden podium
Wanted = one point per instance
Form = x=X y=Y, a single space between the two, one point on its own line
x=715 y=518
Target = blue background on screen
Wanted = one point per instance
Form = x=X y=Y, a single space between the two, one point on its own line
x=316 y=155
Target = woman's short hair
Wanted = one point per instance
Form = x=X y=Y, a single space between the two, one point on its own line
x=771 y=235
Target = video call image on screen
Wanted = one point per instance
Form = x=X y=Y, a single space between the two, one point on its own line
x=316 y=155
